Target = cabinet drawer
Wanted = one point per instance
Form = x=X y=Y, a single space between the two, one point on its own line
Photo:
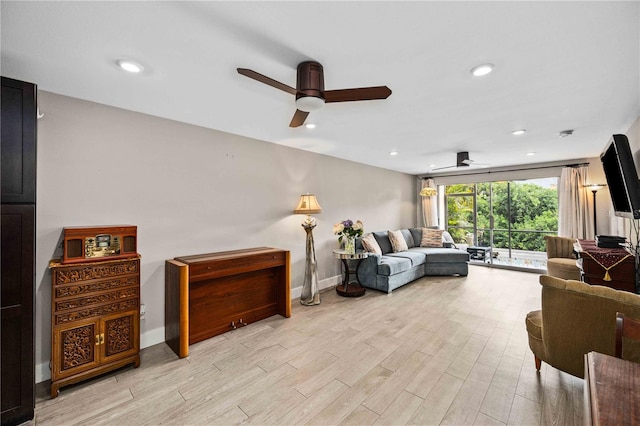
x=96 y=311
x=95 y=287
x=86 y=272
x=94 y=299
x=205 y=270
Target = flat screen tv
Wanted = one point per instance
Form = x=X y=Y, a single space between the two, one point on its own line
x=622 y=177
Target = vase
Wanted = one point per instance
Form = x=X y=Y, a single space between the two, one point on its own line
x=350 y=244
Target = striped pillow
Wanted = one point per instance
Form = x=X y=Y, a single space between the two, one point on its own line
x=431 y=237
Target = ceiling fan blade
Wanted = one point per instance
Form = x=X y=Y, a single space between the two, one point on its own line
x=445 y=167
x=266 y=80
x=359 y=94
x=298 y=118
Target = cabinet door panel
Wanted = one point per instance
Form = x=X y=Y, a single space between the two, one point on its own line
x=18 y=165
x=77 y=349
x=121 y=335
x=17 y=304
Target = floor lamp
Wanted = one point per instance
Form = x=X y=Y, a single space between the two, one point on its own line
x=308 y=205
x=594 y=188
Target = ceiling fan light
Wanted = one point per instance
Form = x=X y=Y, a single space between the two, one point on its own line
x=309 y=103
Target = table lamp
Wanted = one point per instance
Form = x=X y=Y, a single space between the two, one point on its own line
x=308 y=205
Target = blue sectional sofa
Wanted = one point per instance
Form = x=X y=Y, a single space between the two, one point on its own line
x=391 y=270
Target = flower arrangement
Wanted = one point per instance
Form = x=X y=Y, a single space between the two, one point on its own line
x=347 y=228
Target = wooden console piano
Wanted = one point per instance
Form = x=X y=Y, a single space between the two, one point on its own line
x=209 y=294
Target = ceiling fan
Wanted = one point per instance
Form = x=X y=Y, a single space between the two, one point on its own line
x=310 y=94
x=462 y=160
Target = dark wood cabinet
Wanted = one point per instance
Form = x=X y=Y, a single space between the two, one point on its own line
x=209 y=294
x=17 y=358
x=95 y=319
x=18 y=165
x=610 y=267
x=17 y=251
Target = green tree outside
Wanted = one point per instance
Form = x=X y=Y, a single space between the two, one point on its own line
x=532 y=208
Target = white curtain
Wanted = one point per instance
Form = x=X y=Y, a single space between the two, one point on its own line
x=429 y=205
x=575 y=218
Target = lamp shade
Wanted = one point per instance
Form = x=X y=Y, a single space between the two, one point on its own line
x=308 y=204
x=428 y=192
x=595 y=186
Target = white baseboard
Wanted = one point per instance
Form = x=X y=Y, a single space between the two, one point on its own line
x=155 y=336
x=322 y=284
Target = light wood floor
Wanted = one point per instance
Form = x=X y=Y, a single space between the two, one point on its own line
x=442 y=350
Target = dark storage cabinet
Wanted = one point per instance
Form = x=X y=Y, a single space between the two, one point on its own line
x=18 y=166
x=17 y=250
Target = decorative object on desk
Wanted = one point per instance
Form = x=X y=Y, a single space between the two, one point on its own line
x=428 y=192
x=308 y=205
x=605 y=257
x=348 y=230
x=594 y=187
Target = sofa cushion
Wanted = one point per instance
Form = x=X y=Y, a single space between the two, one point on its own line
x=391 y=265
x=416 y=233
x=415 y=257
x=562 y=267
x=408 y=238
x=442 y=255
x=370 y=244
x=383 y=241
x=398 y=243
x=431 y=237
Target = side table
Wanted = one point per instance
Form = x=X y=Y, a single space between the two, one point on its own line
x=353 y=288
x=479 y=253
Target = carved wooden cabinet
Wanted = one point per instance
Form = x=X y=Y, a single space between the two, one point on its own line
x=95 y=319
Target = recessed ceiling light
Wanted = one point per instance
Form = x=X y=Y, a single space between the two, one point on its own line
x=565 y=133
x=432 y=166
x=310 y=126
x=531 y=153
x=481 y=70
x=393 y=153
x=519 y=132
x=130 y=66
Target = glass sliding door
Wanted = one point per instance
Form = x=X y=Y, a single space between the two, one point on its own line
x=510 y=218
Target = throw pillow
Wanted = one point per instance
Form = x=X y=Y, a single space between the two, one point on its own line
x=369 y=244
x=431 y=237
x=398 y=243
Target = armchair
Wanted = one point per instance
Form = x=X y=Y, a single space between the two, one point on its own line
x=561 y=261
x=577 y=318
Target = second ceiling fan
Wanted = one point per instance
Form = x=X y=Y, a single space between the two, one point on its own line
x=310 y=94
x=462 y=160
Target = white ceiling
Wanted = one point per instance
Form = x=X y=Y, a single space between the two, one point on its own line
x=559 y=65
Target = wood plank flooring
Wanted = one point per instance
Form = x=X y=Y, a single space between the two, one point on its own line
x=442 y=350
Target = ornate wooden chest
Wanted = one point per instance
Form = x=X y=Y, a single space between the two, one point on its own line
x=95 y=319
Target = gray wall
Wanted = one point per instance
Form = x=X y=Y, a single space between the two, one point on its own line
x=191 y=190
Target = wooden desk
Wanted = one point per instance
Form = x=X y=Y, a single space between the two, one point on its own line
x=611 y=390
x=209 y=294
x=622 y=276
